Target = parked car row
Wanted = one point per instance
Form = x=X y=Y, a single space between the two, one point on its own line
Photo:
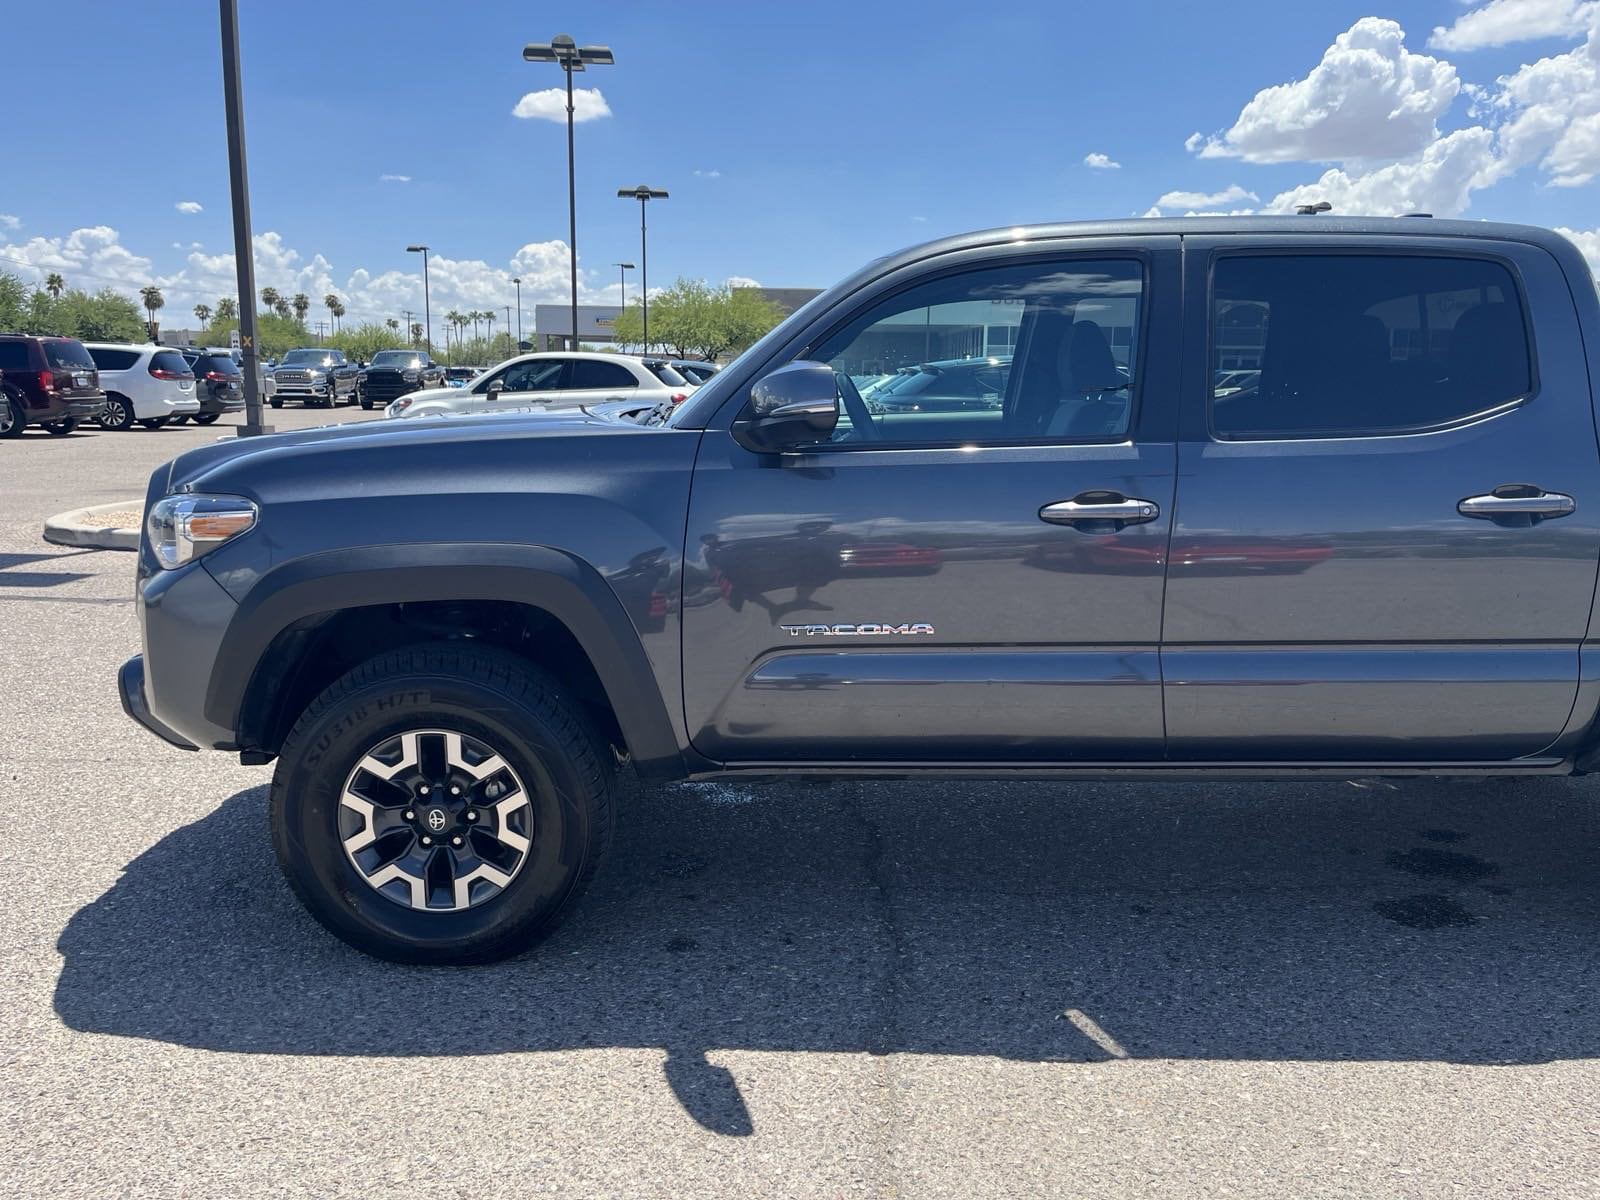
x=555 y=380
x=46 y=381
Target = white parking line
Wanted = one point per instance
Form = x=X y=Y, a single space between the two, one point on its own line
x=1091 y=1030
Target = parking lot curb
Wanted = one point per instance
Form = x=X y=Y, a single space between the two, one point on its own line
x=97 y=526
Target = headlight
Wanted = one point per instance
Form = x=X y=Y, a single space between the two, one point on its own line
x=409 y=376
x=399 y=407
x=182 y=528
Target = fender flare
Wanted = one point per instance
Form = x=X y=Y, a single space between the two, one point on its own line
x=570 y=590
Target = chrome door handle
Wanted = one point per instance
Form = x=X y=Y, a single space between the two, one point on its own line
x=1091 y=507
x=1518 y=501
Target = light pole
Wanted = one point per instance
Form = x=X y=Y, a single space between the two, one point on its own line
x=427 y=315
x=410 y=337
x=622 y=278
x=562 y=50
x=518 y=282
x=243 y=248
x=643 y=194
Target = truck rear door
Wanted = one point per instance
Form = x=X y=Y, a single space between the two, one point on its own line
x=1388 y=515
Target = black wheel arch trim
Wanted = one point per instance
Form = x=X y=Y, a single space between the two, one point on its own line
x=559 y=583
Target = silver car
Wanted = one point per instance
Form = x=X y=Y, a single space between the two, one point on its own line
x=557 y=379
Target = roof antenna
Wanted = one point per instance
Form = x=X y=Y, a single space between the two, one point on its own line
x=1311 y=210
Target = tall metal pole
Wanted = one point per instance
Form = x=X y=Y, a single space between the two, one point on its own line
x=572 y=208
x=622 y=282
x=427 y=307
x=518 y=282
x=243 y=248
x=644 y=275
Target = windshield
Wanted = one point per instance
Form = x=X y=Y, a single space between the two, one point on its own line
x=306 y=358
x=666 y=374
x=64 y=352
x=396 y=358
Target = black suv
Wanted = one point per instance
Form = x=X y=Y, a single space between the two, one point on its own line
x=218 y=385
x=48 y=381
x=1376 y=556
x=395 y=373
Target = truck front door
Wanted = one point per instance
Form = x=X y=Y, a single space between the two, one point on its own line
x=951 y=579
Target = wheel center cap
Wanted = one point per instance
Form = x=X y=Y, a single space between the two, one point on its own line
x=436 y=819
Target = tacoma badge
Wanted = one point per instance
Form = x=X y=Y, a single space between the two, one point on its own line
x=869 y=629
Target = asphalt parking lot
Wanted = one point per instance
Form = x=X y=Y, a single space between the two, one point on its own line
x=1341 y=989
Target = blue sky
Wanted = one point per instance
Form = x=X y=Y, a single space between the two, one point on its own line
x=797 y=140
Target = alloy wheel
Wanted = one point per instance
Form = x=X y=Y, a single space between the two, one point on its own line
x=435 y=820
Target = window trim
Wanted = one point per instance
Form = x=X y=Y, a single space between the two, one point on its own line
x=1140 y=255
x=1365 y=250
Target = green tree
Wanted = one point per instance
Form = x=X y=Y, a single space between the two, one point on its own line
x=227 y=309
x=301 y=305
x=393 y=324
x=202 y=313
x=55 y=285
x=270 y=298
x=693 y=319
x=153 y=303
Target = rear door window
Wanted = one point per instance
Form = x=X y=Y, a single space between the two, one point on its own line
x=592 y=373
x=169 y=360
x=13 y=356
x=113 y=360
x=1348 y=345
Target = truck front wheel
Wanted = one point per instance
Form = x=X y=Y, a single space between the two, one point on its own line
x=441 y=804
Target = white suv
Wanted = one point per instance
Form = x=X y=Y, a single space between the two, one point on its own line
x=540 y=382
x=145 y=384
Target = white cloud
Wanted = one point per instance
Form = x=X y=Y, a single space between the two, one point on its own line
x=394 y=179
x=8 y=222
x=1194 y=141
x=551 y=105
x=1549 y=109
x=1440 y=180
x=1231 y=194
x=742 y=281
x=1101 y=162
x=188 y=206
x=1502 y=22
x=1369 y=98
x=709 y=174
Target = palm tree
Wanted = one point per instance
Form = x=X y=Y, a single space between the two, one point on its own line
x=202 y=313
x=227 y=309
x=393 y=324
x=338 y=312
x=416 y=332
x=453 y=317
x=331 y=302
x=488 y=317
x=55 y=285
x=153 y=300
x=282 y=308
x=301 y=305
x=270 y=298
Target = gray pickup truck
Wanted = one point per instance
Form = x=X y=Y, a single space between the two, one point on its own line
x=318 y=378
x=1258 y=497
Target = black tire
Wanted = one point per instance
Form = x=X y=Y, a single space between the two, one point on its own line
x=181 y=419
x=61 y=428
x=12 y=422
x=117 y=414
x=206 y=418
x=366 y=401
x=277 y=403
x=485 y=696
x=155 y=422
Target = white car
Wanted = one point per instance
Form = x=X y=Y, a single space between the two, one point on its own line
x=557 y=379
x=145 y=384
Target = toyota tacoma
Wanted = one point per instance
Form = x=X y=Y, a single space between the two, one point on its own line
x=1287 y=497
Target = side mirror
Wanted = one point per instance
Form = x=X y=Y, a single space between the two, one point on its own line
x=496 y=386
x=795 y=405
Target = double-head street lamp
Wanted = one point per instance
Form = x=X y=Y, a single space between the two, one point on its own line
x=622 y=277
x=571 y=57
x=643 y=193
x=427 y=312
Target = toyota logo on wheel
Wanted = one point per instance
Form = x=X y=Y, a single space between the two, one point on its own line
x=437 y=819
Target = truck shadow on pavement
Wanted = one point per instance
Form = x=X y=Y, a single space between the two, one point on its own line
x=1045 y=923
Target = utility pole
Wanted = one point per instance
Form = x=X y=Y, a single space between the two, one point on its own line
x=243 y=248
